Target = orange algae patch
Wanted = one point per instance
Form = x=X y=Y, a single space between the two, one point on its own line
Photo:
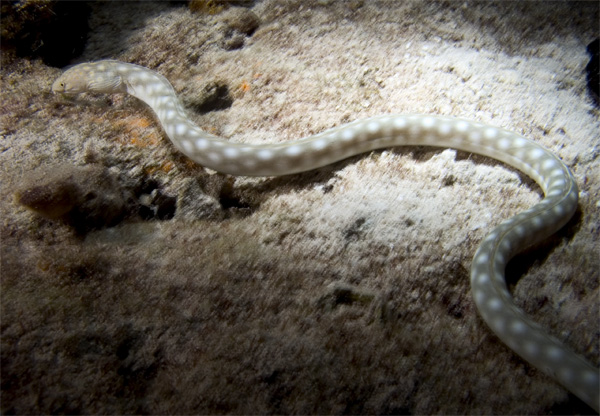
x=141 y=123
x=137 y=131
x=244 y=86
x=167 y=166
x=164 y=167
x=190 y=163
x=242 y=89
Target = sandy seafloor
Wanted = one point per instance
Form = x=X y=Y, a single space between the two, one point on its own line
x=343 y=290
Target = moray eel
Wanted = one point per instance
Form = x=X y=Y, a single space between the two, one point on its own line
x=488 y=284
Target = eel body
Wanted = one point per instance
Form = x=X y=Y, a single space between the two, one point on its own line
x=488 y=284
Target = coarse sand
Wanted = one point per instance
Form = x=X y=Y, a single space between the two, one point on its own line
x=152 y=285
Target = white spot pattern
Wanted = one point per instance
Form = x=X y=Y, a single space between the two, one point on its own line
x=491 y=295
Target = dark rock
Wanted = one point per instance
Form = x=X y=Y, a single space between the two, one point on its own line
x=241 y=20
x=230 y=40
x=157 y=205
x=213 y=96
x=236 y=24
x=86 y=198
x=194 y=204
x=56 y=31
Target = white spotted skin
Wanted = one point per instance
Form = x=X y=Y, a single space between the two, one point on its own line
x=488 y=283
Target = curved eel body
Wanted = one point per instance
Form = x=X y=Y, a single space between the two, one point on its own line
x=488 y=284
